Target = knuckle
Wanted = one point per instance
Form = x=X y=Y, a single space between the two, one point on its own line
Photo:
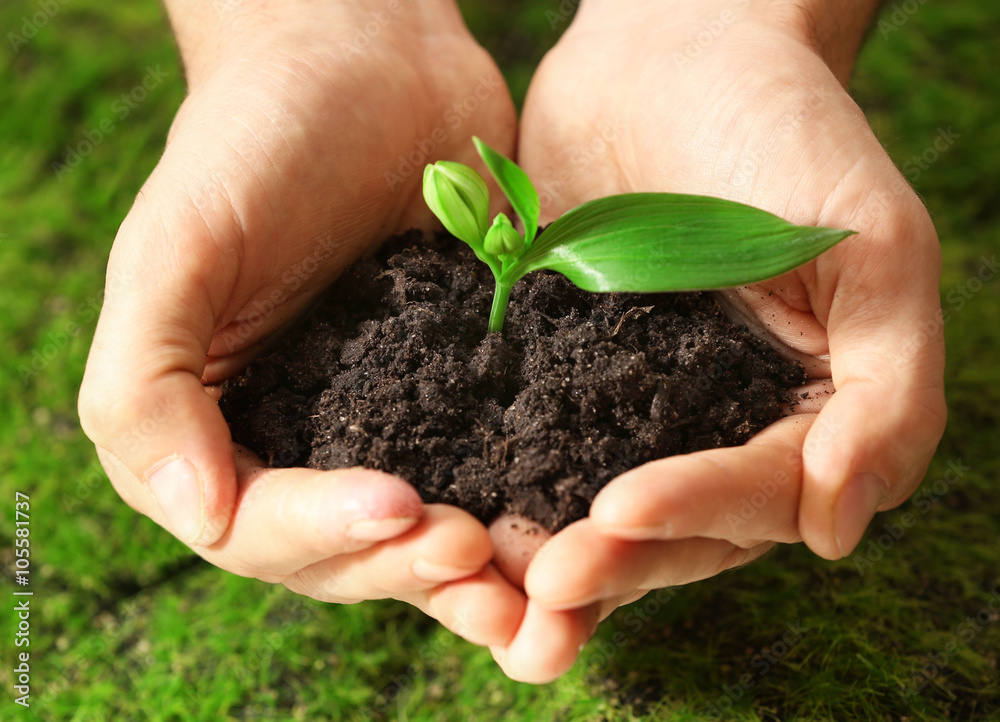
x=243 y=568
x=920 y=423
x=106 y=416
x=936 y=413
x=215 y=527
x=739 y=556
x=264 y=576
x=330 y=586
x=897 y=231
x=90 y=409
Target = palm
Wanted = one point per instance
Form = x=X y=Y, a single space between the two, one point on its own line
x=282 y=166
x=727 y=128
x=757 y=118
x=294 y=172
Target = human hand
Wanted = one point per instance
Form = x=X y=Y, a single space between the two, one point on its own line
x=757 y=115
x=298 y=147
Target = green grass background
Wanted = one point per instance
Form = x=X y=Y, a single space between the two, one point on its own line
x=127 y=625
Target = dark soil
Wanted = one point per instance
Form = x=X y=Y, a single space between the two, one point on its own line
x=394 y=370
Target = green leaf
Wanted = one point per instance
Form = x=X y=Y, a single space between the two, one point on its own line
x=516 y=185
x=653 y=242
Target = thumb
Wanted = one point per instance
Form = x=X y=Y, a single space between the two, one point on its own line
x=163 y=439
x=870 y=445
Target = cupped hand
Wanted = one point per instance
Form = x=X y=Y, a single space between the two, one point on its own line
x=641 y=101
x=299 y=146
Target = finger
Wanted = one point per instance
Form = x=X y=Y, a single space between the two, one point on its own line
x=484 y=608
x=778 y=311
x=580 y=566
x=142 y=400
x=447 y=544
x=744 y=494
x=811 y=398
x=287 y=519
x=537 y=657
x=515 y=541
x=547 y=642
x=220 y=368
x=871 y=444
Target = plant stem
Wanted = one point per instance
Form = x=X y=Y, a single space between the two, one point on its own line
x=499 y=311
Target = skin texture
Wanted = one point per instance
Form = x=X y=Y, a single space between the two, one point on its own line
x=275 y=178
x=756 y=114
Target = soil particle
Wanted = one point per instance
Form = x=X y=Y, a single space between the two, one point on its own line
x=394 y=370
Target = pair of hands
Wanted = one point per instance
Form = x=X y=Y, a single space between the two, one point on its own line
x=301 y=144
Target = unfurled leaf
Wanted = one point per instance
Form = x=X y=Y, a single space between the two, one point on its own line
x=652 y=242
x=516 y=185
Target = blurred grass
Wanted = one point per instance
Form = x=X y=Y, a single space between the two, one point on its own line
x=127 y=625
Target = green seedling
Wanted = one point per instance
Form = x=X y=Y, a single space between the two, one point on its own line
x=635 y=242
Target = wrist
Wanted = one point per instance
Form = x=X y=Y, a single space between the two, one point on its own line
x=834 y=30
x=209 y=31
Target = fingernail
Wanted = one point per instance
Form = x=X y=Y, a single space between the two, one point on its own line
x=856 y=509
x=177 y=490
x=373 y=530
x=434 y=572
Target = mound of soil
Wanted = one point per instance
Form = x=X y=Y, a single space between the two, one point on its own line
x=394 y=370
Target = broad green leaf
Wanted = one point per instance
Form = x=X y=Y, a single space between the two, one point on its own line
x=516 y=185
x=653 y=242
